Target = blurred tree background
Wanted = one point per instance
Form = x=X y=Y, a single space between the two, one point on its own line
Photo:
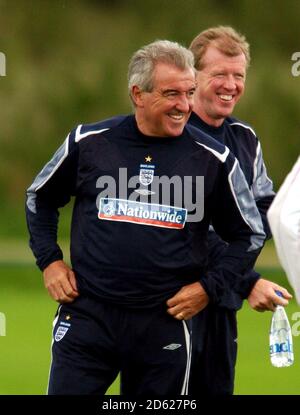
x=67 y=64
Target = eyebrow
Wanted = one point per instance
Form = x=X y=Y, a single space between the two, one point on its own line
x=164 y=91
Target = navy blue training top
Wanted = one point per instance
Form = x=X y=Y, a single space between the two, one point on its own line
x=143 y=206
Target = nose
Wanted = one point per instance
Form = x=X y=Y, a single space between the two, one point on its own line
x=229 y=83
x=185 y=103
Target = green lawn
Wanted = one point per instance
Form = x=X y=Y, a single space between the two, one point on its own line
x=29 y=311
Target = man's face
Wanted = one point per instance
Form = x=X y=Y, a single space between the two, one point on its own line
x=165 y=110
x=220 y=84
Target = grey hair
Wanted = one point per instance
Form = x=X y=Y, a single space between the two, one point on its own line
x=143 y=61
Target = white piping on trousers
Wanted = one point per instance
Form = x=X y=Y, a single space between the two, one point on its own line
x=53 y=325
x=188 y=342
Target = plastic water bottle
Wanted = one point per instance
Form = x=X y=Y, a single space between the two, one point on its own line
x=281 y=342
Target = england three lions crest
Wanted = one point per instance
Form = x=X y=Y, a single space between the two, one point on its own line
x=146 y=174
x=61 y=331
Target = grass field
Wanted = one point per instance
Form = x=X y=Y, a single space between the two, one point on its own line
x=29 y=311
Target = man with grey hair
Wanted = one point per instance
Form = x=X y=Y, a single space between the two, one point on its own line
x=131 y=249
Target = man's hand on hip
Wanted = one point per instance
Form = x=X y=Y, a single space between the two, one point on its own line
x=263 y=296
x=60 y=282
x=189 y=300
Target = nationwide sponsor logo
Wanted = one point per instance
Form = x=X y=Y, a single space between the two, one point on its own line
x=142 y=213
x=172 y=346
x=187 y=191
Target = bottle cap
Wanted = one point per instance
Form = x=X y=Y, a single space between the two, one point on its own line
x=279 y=293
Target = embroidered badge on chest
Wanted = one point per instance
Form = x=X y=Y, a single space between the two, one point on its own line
x=146 y=172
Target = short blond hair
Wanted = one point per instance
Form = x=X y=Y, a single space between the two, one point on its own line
x=226 y=39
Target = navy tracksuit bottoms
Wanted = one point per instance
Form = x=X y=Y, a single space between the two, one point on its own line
x=93 y=341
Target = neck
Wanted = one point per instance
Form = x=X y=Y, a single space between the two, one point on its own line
x=213 y=122
x=200 y=111
x=142 y=126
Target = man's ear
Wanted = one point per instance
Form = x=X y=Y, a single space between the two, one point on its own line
x=137 y=96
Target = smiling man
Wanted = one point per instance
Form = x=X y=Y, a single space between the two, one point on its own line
x=133 y=248
x=221 y=59
x=221 y=79
x=165 y=111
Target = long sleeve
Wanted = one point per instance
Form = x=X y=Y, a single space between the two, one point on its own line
x=51 y=189
x=237 y=220
x=284 y=219
x=262 y=189
x=241 y=139
x=216 y=250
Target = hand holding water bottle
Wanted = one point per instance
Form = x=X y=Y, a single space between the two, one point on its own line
x=281 y=341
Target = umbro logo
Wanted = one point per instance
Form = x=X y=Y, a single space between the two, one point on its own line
x=172 y=346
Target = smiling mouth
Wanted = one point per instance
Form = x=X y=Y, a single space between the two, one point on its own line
x=177 y=117
x=226 y=98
